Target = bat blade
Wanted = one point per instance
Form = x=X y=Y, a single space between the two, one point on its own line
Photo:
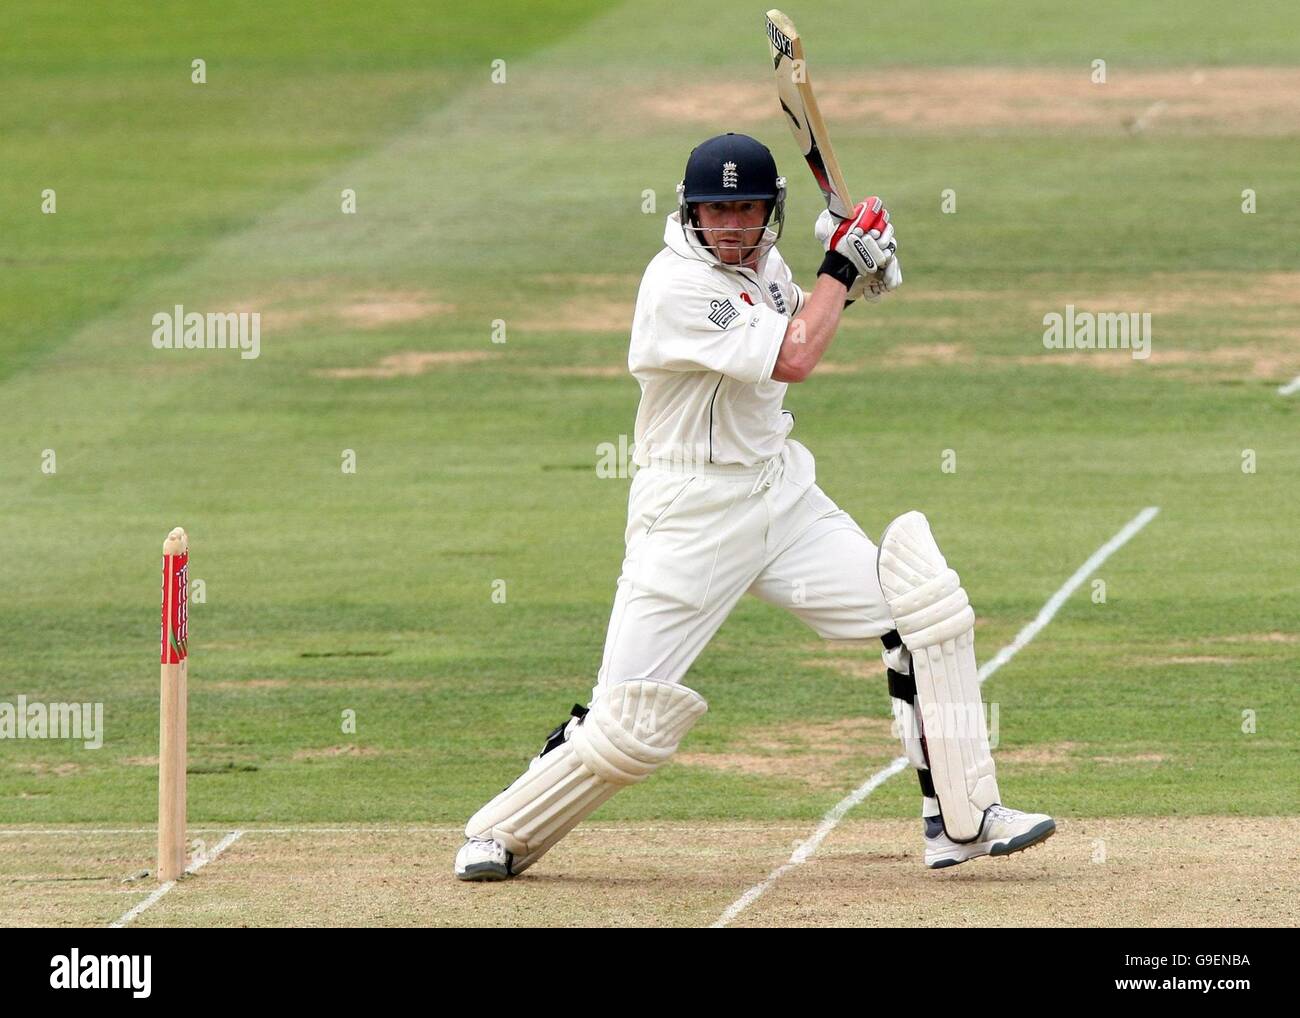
x=799 y=108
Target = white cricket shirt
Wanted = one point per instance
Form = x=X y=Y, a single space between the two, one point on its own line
x=705 y=338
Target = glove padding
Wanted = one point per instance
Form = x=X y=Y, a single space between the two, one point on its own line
x=879 y=242
x=872 y=288
x=866 y=238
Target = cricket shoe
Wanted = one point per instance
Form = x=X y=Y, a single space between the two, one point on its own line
x=1003 y=831
x=483 y=859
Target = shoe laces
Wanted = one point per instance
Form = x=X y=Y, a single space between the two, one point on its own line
x=999 y=812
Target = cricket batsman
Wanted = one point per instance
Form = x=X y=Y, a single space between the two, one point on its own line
x=725 y=503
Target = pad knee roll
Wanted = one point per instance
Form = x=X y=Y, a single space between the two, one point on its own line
x=630 y=731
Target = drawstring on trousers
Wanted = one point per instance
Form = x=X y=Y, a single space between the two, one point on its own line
x=769 y=475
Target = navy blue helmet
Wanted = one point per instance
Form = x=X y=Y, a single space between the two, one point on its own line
x=733 y=167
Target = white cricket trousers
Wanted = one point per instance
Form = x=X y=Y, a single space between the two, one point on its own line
x=700 y=535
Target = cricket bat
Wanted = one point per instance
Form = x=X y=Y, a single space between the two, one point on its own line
x=802 y=116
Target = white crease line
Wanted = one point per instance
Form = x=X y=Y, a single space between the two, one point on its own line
x=128 y=916
x=73 y=831
x=1290 y=387
x=804 y=851
x=191 y=869
x=1071 y=585
x=1151 y=112
x=458 y=829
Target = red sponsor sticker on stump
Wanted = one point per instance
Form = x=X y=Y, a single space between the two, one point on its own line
x=175 y=614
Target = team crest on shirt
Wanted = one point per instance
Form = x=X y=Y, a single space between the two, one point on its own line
x=722 y=312
x=729 y=175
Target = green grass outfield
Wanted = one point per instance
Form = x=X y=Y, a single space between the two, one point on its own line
x=372 y=592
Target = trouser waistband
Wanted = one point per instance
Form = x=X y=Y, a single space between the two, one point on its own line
x=760 y=476
x=738 y=471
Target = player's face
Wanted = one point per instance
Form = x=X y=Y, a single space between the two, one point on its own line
x=733 y=229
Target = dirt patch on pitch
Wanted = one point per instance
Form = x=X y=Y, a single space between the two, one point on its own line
x=579 y=314
x=333 y=752
x=1195 y=659
x=1191 y=292
x=1055 y=754
x=1243 y=361
x=1240 y=361
x=410 y=363
x=377 y=311
x=819 y=755
x=1066 y=754
x=1222 y=100
x=1258 y=294
x=911 y=355
x=953 y=296
x=339 y=304
x=58 y=770
x=1262 y=310
x=920 y=354
x=838 y=367
x=1255 y=638
x=342 y=682
x=591 y=280
x=242 y=684
x=587 y=371
x=865 y=666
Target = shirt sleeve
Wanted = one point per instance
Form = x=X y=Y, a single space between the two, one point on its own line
x=703 y=327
